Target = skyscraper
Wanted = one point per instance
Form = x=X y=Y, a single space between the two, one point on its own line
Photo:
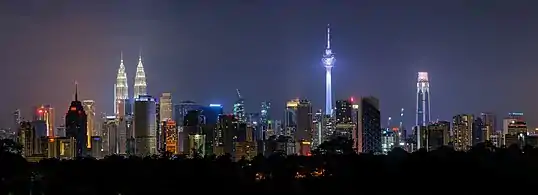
x=328 y=61
x=423 y=99
x=75 y=125
x=166 y=107
x=462 y=129
x=239 y=108
x=145 y=126
x=89 y=108
x=367 y=134
x=46 y=113
x=140 y=85
x=121 y=90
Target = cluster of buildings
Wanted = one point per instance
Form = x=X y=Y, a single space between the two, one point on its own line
x=145 y=125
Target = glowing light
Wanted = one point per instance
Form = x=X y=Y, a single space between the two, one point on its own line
x=422 y=76
x=73 y=108
x=40 y=111
x=215 y=105
x=352 y=99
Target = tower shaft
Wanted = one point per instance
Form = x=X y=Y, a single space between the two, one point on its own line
x=328 y=93
x=423 y=116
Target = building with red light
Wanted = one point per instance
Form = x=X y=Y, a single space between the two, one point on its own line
x=46 y=113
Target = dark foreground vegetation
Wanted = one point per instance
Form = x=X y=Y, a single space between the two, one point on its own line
x=481 y=170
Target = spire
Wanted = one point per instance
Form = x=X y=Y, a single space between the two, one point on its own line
x=76 y=91
x=121 y=57
x=328 y=36
x=140 y=56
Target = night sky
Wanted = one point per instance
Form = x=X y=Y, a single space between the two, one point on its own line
x=481 y=55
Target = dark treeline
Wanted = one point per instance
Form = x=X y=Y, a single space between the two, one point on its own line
x=480 y=170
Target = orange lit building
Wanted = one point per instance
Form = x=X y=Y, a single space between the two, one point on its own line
x=46 y=113
x=62 y=148
x=170 y=129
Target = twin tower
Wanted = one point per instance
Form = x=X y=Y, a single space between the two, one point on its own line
x=121 y=88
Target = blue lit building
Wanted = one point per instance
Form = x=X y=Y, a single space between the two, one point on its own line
x=211 y=113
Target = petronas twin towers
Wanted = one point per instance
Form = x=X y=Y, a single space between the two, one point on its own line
x=121 y=88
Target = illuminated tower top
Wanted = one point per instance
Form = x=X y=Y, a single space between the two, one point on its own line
x=140 y=86
x=122 y=92
x=328 y=57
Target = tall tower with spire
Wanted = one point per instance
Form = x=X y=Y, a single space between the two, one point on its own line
x=328 y=61
x=76 y=125
x=140 y=86
x=121 y=90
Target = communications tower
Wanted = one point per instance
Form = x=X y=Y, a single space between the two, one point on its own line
x=423 y=99
x=328 y=61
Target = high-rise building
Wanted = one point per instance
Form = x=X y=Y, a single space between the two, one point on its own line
x=171 y=134
x=514 y=130
x=76 y=125
x=181 y=110
x=343 y=118
x=110 y=137
x=239 y=108
x=264 y=120
x=145 y=127
x=166 y=107
x=317 y=135
x=121 y=90
x=490 y=126
x=478 y=131
x=140 y=85
x=226 y=130
x=423 y=116
x=328 y=61
x=438 y=134
x=46 y=113
x=89 y=108
x=462 y=129
x=16 y=120
x=367 y=134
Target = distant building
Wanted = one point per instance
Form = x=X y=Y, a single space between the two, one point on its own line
x=76 y=126
x=462 y=128
x=145 y=126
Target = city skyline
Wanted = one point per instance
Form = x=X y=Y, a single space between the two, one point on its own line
x=368 y=64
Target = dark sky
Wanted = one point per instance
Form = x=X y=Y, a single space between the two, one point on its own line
x=481 y=55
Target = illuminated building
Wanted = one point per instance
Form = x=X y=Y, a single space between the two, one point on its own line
x=89 y=108
x=192 y=125
x=239 y=108
x=328 y=61
x=197 y=145
x=75 y=125
x=165 y=104
x=462 y=126
x=170 y=129
x=264 y=119
x=110 y=136
x=226 y=130
x=121 y=91
x=97 y=147
x=210 y=114
x=245 y=147
x=490 y=125
x=367 y=134
x=514 y=130
x=145 y=126
x=62 y=148
x=181 y=110
x=438 y=135
x=298 y=121
x=46 y=113
x=423 y=116
x=140 y=85
x=388 y=140
x=343 y=119
x=317 y=135
x=26 y=137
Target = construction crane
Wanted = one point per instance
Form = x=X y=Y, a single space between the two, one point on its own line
x=238 y=94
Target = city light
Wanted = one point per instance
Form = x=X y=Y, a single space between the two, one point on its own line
x=215 y=105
